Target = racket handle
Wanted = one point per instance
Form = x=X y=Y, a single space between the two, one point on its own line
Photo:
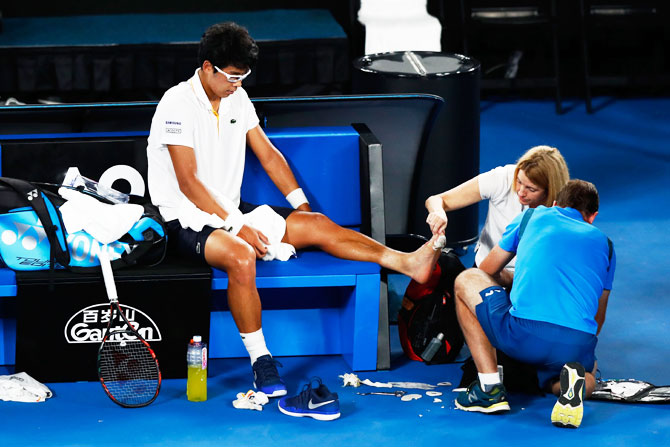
x=107 y=274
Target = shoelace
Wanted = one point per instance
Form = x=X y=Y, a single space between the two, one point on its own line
x=267 y=368
x=305 y=394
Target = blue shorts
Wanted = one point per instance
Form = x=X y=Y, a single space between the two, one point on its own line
x=544 y=345
x=190 y=244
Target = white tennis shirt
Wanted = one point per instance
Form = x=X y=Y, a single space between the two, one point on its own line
x=184 y=117
x=496 y=186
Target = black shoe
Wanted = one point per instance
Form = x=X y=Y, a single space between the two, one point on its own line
x=266 y=376
x=569 y=408
x=318 y=403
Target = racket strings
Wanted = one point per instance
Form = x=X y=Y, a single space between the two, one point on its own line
x=128 y=370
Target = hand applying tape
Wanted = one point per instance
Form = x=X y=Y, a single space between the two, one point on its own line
x=440 y=242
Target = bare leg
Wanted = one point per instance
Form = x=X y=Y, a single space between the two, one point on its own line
x=467 y=287
x=305 y=229
x=238 y=259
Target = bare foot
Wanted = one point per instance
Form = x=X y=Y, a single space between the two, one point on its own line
x=420 y=263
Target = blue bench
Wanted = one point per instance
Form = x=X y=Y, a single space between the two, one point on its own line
x=332 y=166
x=314 y=304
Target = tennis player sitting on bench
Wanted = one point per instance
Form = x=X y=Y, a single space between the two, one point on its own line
x=196 y=153
x=551 y=318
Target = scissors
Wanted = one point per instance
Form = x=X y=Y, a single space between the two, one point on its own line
x=398 y=393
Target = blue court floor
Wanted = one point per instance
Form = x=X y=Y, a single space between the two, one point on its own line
x=623 y=148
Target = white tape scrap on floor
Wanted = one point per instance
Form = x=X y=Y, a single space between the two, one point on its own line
x=251 y=400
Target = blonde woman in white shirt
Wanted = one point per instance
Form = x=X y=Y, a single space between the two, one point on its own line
x=534 y=180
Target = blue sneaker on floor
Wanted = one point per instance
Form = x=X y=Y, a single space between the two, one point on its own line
x=266 y=377
x=318 y=403
x=475 y=399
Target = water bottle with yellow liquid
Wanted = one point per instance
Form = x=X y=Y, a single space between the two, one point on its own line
x=196 y=357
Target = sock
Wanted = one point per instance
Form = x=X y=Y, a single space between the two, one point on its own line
x=255 y=344
x=489 y=380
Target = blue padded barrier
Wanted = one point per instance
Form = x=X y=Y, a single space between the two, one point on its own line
x=7 y=322
x=7 y=283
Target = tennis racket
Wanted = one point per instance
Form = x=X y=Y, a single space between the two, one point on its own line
x=127 y=366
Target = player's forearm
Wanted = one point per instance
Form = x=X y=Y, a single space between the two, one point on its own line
x=272 y=160
x=463 y=195
x=197 y=193
x=602 y=310
x=281 y=175
x=505 y=278
x=601 y=322
x=495 y=262
x=434 y=204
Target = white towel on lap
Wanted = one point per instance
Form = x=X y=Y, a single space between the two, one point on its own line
x=273 y=226
x=263 y=219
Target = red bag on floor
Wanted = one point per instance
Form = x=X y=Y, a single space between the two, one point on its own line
x=428 y=310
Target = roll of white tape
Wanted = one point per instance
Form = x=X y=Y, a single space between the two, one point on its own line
x=127 y=173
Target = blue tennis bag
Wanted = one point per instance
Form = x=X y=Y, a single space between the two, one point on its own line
x=33 y=237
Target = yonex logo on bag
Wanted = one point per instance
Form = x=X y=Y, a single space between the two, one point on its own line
x=32 y=194
x=88 y=325
x=85 y=249
x=29 y=236
x=25 y=243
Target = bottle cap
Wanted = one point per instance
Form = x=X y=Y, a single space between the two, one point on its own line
x=440 y=336
x=197 y=338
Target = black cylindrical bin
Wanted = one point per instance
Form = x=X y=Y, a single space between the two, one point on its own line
x=451 y=155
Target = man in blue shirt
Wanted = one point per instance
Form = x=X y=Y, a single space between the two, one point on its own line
x=551 y=318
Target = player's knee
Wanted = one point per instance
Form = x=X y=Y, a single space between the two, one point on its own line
x=318 y=220
x=242 y=273
x=243 y=258
x=464 y=281
x=239 y=261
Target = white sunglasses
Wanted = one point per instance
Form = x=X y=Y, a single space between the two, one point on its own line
x=233 y=78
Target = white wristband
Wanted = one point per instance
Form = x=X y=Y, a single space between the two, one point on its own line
x=296 y=198
x=234 y=222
